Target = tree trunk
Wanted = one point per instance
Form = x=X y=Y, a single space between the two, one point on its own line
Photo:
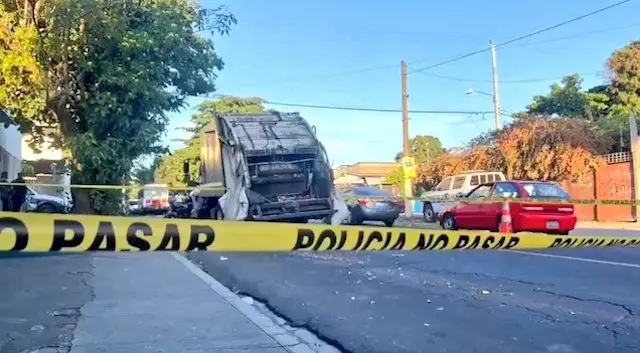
x=509 y=171
x=81 y=201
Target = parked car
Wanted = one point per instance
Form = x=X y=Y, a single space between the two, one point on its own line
x=367 y=203
x=553 y=213
x=133 y=206
x=42 y=203
x=454 y=187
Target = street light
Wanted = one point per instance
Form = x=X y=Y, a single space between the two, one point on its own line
x=473 y=91
x=496 y=105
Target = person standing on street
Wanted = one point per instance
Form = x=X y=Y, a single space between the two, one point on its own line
x=19 y=193
x=5 y=193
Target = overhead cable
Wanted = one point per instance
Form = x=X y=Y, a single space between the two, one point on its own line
x=528 y=35
x=352 y=108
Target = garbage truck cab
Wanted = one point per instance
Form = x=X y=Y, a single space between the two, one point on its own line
x=268 y=167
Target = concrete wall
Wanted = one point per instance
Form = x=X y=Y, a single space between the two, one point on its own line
x=10 y=150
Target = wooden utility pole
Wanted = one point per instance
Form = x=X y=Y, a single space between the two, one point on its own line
x=496 y=93
x=635 y=165
x=408 y=188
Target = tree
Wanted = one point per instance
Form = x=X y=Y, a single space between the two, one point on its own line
x=424 y=148
x=430 y=174
x=569 y=100
x=624 y=71
x=395 y=177
x=623 y=96
x=170 y=168
x=534 y=148
x=145 y=174
x=99 y=76
x=207 y=110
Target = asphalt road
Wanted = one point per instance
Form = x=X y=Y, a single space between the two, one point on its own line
x=40 y=300
x=561 y=301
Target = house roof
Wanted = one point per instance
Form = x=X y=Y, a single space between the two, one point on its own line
x=369 y=169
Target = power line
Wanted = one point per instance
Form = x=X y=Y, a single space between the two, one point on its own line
x=377 y=110
x=340 y=73
x=361 y=109
x=461 y=79
x=571 y=36
x=528 y=35
x=395 y=66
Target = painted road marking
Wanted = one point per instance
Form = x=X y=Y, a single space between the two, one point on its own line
x=582 y=259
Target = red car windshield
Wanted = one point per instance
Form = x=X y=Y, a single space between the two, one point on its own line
x=545 y=191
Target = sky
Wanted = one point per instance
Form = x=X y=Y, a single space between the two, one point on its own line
x=348 y=53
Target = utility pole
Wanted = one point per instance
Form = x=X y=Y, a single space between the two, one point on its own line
x=496 y=94
x=635 y=165
x=408 y=189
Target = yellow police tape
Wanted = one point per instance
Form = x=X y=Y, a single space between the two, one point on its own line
x=113 y=187
x=604 y=202
x=72 y=233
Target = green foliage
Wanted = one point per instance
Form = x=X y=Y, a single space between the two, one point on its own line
x=104 y=74
x=396 y=177
x=608 y=106
x=27 y=169
x=569 y=100
x=424 y=148
x=145 y=174
x=170 y=169
x=624 y=70
x=207 y=110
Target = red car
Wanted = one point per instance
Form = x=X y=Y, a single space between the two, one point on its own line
x=553 y=214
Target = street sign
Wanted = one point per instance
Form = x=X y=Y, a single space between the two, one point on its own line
x=409 y=167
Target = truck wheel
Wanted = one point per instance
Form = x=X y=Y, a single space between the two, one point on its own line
x=217 y=214
x=46 y=208
x=428 y=213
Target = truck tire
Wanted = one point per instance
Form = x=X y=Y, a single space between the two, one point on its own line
x=217 y=214
x=428 y=213
x=46 y=208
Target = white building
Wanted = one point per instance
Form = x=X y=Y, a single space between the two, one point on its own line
x=10 y=146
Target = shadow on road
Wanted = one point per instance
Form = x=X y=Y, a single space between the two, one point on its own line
x=7 y=255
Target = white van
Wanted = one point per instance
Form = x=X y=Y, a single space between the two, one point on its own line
x=452 y=187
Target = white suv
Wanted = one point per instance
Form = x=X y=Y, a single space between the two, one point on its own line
x=452 y=187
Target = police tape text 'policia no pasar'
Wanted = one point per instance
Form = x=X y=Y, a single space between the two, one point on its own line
x=69 y=234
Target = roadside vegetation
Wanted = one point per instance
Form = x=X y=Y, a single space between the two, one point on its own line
x=169 y=169
x=97 y=78
x=560 y=136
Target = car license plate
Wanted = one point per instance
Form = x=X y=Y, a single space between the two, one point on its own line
x=553 y=225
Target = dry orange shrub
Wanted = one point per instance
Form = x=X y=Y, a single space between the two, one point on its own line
x=534 y=148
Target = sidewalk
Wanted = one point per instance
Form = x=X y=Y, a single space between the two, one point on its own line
x=609 y=225
x=40 y=300
x=162 y=303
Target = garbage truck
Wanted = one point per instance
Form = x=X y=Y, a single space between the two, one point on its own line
x=266 y=167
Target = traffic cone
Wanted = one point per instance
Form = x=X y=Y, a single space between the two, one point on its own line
x=505 y=221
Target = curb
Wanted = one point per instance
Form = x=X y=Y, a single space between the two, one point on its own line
x=289 y=342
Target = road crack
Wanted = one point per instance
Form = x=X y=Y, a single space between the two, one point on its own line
x=629 y=312
x=617 y=333
x=479 y=275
